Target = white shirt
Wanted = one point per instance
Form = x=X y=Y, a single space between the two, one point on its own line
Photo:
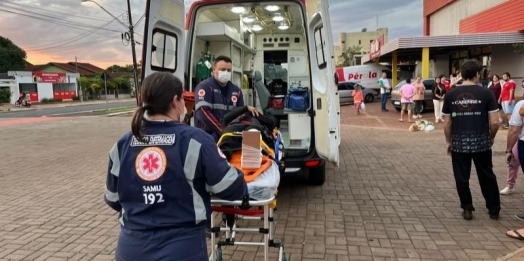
x=517 y=120
x=386 y=84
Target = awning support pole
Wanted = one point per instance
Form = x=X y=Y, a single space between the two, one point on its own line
x=394 y=73
x=425 y=62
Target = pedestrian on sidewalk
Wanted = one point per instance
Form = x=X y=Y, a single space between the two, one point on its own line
x=418 y=98
x=357 y=98
x=406 y=102
x=383 y=83
x=513 y=169
x=507 y=97
x=439 y=91
x=515 y=139
x=471 y=124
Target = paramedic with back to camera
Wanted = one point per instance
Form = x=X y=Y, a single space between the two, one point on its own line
x=216 y=96
x=160 y=183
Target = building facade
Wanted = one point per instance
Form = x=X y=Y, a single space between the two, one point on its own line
x=452 y=17
x=465 y=17
x=360 y=39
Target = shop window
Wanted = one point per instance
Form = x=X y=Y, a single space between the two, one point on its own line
x=163 y=51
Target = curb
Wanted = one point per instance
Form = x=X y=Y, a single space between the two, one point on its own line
x=118 y=113
x=511 y=255
x=16 y=110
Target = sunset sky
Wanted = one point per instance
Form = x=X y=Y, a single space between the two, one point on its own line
x=59 y=30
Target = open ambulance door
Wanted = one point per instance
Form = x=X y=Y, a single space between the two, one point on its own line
x=163 y=47
x=324 y=81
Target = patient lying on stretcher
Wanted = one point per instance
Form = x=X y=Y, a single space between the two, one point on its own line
x=262 y=181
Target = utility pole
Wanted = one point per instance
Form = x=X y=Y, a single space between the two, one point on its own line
x=132 y=36
x=105 y=83
x=77 y=82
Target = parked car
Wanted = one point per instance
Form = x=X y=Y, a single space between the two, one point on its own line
x=428 y=96
x=345 y=91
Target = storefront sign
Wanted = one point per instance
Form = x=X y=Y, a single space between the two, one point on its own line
x=49 y=77
x=63 y=95
x=376 y=46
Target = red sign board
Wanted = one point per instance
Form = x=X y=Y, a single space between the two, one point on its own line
x=49 y=77
x=33 y=96
x=64 y=95
x=376 y=46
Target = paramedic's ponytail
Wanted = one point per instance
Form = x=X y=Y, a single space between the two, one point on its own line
x=136 y=124
x=157 y=93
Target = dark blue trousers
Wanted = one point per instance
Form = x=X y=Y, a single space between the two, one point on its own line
x=177 y=244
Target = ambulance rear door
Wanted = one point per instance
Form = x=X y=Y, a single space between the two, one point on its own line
x=324 y=81
x=164 y=44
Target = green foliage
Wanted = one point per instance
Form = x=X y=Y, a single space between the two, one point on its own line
x=50 y=100
x=12 y=57
x=5 y=95
x=519 y=48
x=346 y=58
x=117 y=68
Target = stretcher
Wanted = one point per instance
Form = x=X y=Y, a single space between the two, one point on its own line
x=258 y=205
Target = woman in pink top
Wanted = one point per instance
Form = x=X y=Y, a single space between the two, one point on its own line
x=418 y=98
x=407 y=91
x=357 y=98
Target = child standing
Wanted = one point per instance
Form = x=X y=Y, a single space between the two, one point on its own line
x=357 y=98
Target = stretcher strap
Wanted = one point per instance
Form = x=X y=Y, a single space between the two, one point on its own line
x=237 y=211
x=238 y=134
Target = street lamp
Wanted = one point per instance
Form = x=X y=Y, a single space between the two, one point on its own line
x=132 y=39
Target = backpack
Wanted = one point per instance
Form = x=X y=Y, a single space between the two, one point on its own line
x=298 y=99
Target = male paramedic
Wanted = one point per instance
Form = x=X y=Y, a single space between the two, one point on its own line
x=216 y=96
x=383 y=83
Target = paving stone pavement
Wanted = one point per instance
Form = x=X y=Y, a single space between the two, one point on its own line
x=391 y=198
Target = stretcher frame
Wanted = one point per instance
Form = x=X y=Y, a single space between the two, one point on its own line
x=242 y=210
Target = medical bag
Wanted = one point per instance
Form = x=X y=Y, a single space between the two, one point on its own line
x=298 y=99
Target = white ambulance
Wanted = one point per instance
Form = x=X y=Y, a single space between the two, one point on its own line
x=289 y=40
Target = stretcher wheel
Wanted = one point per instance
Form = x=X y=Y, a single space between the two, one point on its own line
x=219 y=254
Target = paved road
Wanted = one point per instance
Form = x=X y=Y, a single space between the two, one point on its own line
x=42 y=111
x=392 y=198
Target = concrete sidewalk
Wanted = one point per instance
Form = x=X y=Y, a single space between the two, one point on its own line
x=514 y=256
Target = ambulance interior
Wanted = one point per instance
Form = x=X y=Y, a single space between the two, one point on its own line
x=267 y=44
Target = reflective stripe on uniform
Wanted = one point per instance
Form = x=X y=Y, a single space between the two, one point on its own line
x=121 y=219
x=228 y=179
x=115 y=158
x=213 y=106
x=112 y=196
x=190 y=166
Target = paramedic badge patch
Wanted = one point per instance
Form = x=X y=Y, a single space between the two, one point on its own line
x=234 y=98
x=201 y=93
x=150 y=164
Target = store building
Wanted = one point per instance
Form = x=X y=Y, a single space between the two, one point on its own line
x=455 y=30
x=43 y=85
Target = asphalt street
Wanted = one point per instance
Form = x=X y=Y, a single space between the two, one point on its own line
x=68 y=110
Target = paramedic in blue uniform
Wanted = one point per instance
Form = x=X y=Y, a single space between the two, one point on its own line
x=216 y=96
x=160 y=178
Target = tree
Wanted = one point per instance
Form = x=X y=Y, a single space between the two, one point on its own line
x=346 y=58
x=85 y=84
x=12 y=57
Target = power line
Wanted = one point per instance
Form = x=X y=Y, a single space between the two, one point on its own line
x=59 y=22
x=70 y=40
x=69 y=48
x=54 y=11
